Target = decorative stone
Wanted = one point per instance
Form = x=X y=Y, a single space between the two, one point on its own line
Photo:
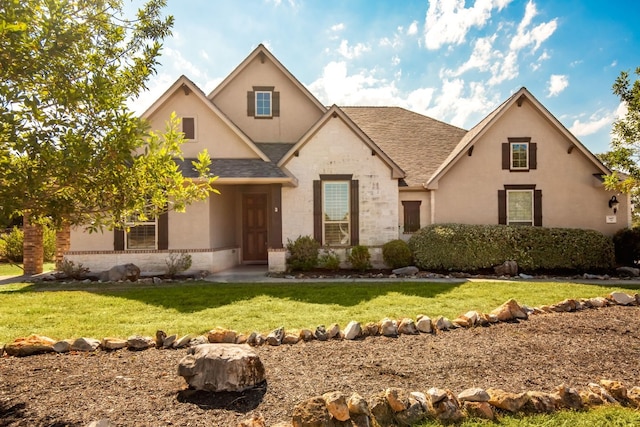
x=540 y=403
x=157 y=280
x=397 y=398
x=371 y=329
x=101 y=423
x=334 y=331
x=33 y=344
x=275 y=337
x=221 y=367
x=260 y=339
x=447 y=410
x=567 y=305
x=120 y=273
x=85 y=344
x=306 y=335
x=414 y=413
x=380 y=409
x=569 y=397
x=358 y=405
x=511 y=402
x=321 y=333
x=109 y=343
x=200 y=339
x=406 y=271
x=337 y=405
x=601 y=393
x=628 y=271
x=479 y=410
x=138 y=342
x=407 y=327
x=424 y=324
x=311 y=412
x=241 y=339
x=291 y=338
x=598 y=302
x=352 y=331
x=255 y=421
x=473 y=395
x=621 y=298
x=507 y=268
x=435 y=395
x=220 y=335
x=388 y=327
x=182 y=341
x=509 y=311
x=443 y=324
x=633 y=394
x=160 y=337
x=616 y=389
x=63 y=346
x=167 y=342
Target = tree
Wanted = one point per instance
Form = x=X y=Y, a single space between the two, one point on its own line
x=70 y=148
x=625 y=145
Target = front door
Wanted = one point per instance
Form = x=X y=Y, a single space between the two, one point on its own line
x=254 y=226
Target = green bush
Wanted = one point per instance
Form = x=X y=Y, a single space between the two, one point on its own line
x=177 y=263
x=11 y=244
x=329 y=260
x=475 y=247
x=360 y=258
x=627 y=246
x=396 y=254
x=303 y=253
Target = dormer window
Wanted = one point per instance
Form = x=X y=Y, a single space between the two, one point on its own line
x=263 y=102
x=189 y=128
x=519 y=154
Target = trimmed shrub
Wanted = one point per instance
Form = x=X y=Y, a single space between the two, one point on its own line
x=360 y=258
x=470 y=248
x=329 y=260
x=396 y=253
x=303 y=253
x=627 y=246
x=49 y=243
x=11 y=244
x=177 y=263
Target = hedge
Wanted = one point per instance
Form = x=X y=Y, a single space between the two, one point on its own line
x=627 y=246
x=461 y=247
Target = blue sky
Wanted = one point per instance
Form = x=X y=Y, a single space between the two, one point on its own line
x=453 y=60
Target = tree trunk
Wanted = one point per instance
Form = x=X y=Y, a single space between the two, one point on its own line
x=32 y=247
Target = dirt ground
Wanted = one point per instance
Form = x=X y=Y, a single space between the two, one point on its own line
x=143 y=389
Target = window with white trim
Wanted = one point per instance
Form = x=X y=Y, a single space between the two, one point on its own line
x=520 y=207
x=519 y=155
x=336 y=213
x=142 y=233
x=263 y=104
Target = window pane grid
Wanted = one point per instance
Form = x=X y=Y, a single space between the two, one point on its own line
x=263 y=103
x=520 y=207
x=142 y=236
x=519 y=156
x=336 y=213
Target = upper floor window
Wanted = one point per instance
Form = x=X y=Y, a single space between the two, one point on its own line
x=263 y=102
x=519 y=154
x=189 y=128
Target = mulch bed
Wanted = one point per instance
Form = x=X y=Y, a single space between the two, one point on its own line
x=143 y=389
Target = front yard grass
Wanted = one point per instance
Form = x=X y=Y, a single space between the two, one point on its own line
x=7 y=269
x=123 y=309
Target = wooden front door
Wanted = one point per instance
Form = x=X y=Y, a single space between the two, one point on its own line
x=254 y=227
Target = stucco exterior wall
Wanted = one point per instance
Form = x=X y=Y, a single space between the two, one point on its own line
x=82 y=240
x=190 y=229
x=571 y=196
x=425 y=209
x=224 y=221
x=297 y=111
x=335 y=149
x=210 y=131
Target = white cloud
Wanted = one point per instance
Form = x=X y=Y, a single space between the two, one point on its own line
x=338 y=27
x=557 y=83
x=449 y=21
x=480 y=57
x=352 y=52
x=204 y=55
x=413 y=29
x=598 y=121
x=455 y=106
x=535 y=36
x=506 y=68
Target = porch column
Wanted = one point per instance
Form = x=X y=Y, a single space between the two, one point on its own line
x=32 y=247
x=63 y=243
x=275 y=217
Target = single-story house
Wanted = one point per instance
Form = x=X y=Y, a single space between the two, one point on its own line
x=290 y=166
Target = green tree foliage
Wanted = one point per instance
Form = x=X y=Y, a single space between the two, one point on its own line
x=625 y=146
x=70 y=148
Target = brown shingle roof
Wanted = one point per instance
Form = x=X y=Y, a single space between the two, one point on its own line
x=418 y=144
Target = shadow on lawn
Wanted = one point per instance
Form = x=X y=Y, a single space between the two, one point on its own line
x=197 y=296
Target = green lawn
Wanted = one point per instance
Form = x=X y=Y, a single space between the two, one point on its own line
x=99 y=310
x=16 y=270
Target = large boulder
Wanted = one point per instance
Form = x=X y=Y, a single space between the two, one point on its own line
x=122 y=272
x=222 y=367
x=507 y=268
x=33 y=344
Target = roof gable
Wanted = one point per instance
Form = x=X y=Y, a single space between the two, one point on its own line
x=336 y=112
x=485 y=124
x=188 y=87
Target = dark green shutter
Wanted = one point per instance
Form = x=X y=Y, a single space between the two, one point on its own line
x=118 y=239
x=533 y=155
x=163 y=231
x=275 y=97
x=506 y=155
x=251 y=104
x=355 y=213
x=537 y=208
x=317 y=210
x=502 y=206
